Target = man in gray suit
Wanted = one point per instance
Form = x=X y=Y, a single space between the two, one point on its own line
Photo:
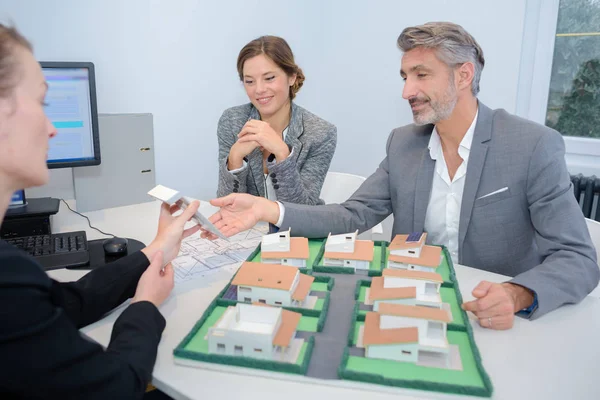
x=492 y=187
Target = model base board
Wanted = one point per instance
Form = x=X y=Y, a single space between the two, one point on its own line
x=332 y=352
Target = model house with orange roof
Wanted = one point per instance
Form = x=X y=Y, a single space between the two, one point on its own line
x=408 y=287
x=273 y=284
x=256 y=331
x=346 y=251
x=411 y=252
x=280 y=248
x=407 y=333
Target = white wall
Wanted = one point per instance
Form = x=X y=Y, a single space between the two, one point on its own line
x=176 y=60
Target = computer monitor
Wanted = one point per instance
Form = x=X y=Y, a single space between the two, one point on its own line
x=71 y=107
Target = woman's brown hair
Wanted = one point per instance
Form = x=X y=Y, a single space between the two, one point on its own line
x=279 y=51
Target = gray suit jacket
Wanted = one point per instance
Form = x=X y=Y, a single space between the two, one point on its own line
x=534 y=231
x=297 y=179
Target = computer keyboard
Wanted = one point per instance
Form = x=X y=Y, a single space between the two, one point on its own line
x=57 y=250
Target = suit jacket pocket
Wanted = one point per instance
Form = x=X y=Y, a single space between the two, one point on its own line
x=480 y=202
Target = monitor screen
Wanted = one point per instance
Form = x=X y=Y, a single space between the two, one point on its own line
x=71 y=107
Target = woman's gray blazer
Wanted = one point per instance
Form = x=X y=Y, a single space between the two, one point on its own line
x=297 y=179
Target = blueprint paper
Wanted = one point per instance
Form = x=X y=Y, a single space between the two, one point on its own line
x=199 y=257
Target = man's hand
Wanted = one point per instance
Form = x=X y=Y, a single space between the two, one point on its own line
x=496 y=304
x=239 y=212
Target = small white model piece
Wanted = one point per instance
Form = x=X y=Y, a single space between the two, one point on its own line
x=399 y=286
x=346 y=251
x=280 y=248
x=273 y=284
x=408 y=253
x=407 y=333
x=257 y=331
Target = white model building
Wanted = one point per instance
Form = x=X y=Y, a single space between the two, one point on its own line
x=346 y=251
x=256 y=331
x=407 y=333
x=411 y=252
x=280 y=248
x=273 y=284
x=408 y=287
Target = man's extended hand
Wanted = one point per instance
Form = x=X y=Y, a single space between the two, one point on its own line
x=239 y=212
x=496 y=304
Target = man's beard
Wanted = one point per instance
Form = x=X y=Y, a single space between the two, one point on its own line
x=437 y=110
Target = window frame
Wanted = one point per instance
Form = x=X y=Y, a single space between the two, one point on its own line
x=537 y=56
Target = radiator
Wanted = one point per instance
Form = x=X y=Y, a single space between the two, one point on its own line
x=586 y=190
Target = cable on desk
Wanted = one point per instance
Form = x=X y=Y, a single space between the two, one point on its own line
x=88 y=220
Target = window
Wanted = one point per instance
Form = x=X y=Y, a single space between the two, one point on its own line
x=263 y=301
x=220 y=348
x=278 y=303
x=258 y=350
x=406 y=352
x=430 y=288
x=411 y=252
x=285 y=260
x=247 y=299
x=244 y=289
x=575 y=79
x=238 y=350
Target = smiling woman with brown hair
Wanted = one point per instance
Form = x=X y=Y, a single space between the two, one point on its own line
x=43 y=355
x=272 y=147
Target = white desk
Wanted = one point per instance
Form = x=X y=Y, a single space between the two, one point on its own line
x=555 y=357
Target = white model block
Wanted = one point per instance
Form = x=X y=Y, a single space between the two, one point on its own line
x=411 y=267
x=245 y=330
x=275 y=297
x=279 y=241
x=343 y=243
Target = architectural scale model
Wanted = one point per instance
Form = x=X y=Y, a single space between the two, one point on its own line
x=411 y=252
x=256 y=331
x=346 y=251
x=280 y=248
x=407 y=287
x=285 y=319
x=273 y=284
x=408 y=333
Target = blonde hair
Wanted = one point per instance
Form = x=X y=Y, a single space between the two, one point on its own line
x=453 y=45
x=279 y=52
x=10 y=38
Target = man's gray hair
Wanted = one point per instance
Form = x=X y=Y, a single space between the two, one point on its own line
x=453 y=45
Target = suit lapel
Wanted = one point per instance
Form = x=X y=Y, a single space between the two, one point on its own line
x=255 y=161
x=295 y=130
x=477 y=154
x=424 y=182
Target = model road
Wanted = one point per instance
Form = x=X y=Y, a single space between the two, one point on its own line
x=331 y=342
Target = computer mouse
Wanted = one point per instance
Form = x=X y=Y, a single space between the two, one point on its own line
x=115 y=246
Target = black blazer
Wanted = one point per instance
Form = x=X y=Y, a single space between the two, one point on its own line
x=42 y=352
